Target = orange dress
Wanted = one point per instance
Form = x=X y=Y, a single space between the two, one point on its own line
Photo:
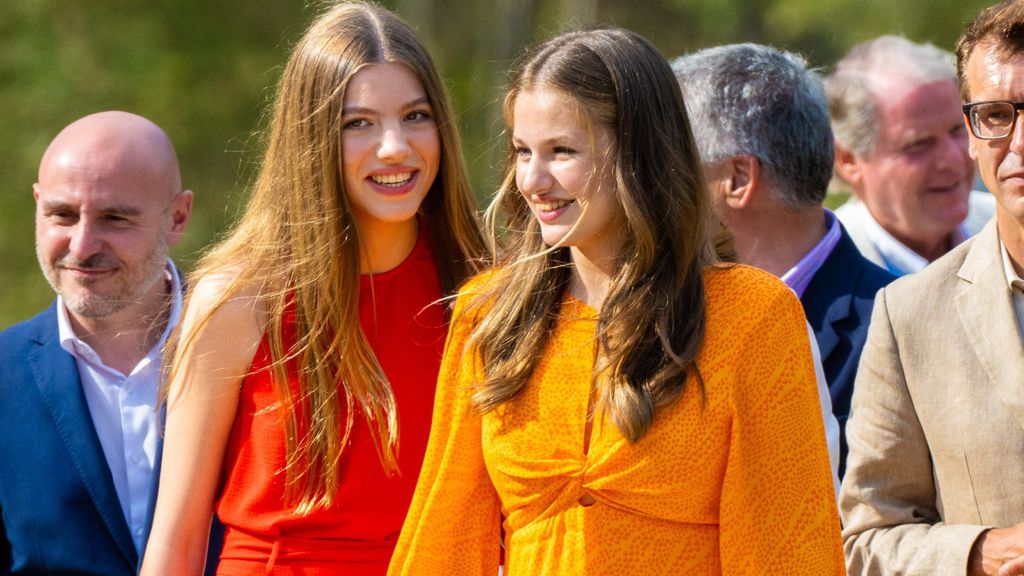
x=736 y=482
x=406 y=326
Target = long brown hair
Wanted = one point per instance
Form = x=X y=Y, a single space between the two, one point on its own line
x=298 y=244
x=651 y=325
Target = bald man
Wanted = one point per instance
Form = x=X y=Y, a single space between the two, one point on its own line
x=78 y=383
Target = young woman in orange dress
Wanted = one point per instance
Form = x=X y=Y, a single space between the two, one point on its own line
x=300 y=391
x=612 y=397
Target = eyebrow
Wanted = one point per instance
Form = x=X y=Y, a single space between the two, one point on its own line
x=360 y=110
x=559 y=139
x=119 y=209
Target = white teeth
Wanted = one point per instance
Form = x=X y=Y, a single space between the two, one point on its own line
x=393 y=180
x=552 y=206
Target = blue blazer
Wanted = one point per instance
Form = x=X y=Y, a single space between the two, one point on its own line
x=838 y=304
x=59 y=511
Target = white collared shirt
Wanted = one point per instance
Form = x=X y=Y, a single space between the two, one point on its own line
x=881 y=248
x=899 y=259
x=1016 y=285
x=123 y=411
x=825 y=401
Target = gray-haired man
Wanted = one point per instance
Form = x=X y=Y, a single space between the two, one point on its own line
x=901 y=145
x=761 y=122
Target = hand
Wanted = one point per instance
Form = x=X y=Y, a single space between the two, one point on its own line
x=1013 y=567
x=998 y=552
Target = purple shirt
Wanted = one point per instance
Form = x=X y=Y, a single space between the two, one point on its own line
x=800 y=275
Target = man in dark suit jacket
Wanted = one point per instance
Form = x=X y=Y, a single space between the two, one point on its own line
x=78 y=383
x=761 y=121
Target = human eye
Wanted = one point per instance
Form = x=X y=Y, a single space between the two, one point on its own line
x=420 y=115
x=918 y=145
x=353 y=123
x=995 y=114
x=62 y=216
x=116 y=219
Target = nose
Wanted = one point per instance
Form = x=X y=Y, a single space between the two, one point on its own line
x=84 y=241
x=394 y=144
x=533 y=176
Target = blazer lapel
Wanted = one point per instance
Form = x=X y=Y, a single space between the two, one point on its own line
x=827 y=300
x=990 y=324
x=57 y=378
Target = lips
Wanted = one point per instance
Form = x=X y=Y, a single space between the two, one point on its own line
x=92 y=268
x=954 y=187
x=551 y=210
x=551 y=206
x=395 y=180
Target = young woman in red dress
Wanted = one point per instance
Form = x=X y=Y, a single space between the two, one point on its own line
x=299 y=395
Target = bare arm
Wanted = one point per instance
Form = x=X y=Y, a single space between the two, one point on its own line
x=201 y=406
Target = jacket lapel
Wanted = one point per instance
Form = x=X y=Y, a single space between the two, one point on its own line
x=827 y=300
x=56 y=376
x=986 y=311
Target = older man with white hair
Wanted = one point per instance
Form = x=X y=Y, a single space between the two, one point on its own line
x=901 y=145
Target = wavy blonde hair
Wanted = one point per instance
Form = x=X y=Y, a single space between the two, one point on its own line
x=651 y=325
x=298 y=244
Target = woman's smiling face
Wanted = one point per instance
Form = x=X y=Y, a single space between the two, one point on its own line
x=563 y=171
x=391 y=149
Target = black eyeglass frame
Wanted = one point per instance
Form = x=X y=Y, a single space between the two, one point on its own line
x=967 y=108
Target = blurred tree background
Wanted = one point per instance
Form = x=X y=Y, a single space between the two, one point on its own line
x=205 y=70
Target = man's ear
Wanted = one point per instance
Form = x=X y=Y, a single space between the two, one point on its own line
x=181 y=210
x=848 y=167
x=743 y=180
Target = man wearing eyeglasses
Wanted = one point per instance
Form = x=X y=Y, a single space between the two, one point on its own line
x=901 y=145
x=935 y=477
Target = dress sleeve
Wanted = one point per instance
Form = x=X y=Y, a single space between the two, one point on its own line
x=891 y=522
x=778 y=508
x=453 y=526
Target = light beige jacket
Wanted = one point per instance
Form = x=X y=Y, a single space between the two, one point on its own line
x=937 y=427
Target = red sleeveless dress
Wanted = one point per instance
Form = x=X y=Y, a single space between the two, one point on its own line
x=357 y=534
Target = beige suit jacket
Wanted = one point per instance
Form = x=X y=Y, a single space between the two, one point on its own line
x=937 y=427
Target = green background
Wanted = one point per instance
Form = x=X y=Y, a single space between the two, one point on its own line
x=205 y=70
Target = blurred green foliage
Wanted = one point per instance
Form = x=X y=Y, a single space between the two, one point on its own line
x=205 y=70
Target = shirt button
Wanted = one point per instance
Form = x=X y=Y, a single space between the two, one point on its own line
x=135 y=458
x=587 y=500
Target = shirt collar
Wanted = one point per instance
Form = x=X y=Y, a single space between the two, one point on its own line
x=1013 y=280
x=799 y=276
x=900 y=259
x=77 y=347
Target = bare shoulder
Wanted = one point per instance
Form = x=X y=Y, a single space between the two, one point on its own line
x=218 y=300
x=221 y=329
x=223 y=319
